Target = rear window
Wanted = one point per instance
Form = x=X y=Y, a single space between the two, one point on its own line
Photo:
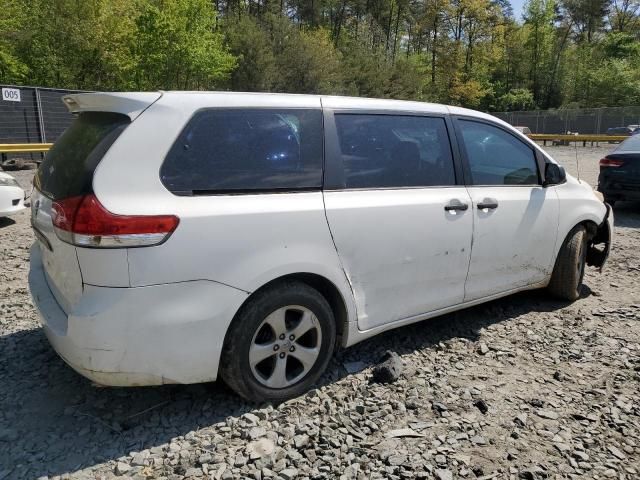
x=632 y=144
x=246 y=150
x=67 y=169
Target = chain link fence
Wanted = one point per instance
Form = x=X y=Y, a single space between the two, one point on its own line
x=585 y=121
x=32 y=115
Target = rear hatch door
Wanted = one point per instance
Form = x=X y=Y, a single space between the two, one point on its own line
x=66 y=172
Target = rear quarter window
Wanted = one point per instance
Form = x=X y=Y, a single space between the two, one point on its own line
x=246 y=150
x=67 y=169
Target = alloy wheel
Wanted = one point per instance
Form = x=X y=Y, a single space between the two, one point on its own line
x=285 y=346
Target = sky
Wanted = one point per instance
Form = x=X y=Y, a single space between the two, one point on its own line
x=517 y=8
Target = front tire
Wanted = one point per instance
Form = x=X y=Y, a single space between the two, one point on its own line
x=568 y=272
x=279 y=343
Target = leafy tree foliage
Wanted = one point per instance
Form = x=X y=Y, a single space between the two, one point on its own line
x=176 y=47
x=120 y=44
x=12 y=21
x=516 y=99
x=468 y=52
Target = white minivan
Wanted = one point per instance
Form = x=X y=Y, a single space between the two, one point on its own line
x=182 y=235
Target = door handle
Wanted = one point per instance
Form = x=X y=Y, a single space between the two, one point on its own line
x=488 y=204
x=456 y=205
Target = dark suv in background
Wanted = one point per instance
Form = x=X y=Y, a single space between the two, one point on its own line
x=620 y=172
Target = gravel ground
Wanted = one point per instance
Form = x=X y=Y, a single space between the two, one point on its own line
x=525 y=387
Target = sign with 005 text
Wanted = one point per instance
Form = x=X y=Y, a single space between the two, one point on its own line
x=11 y=94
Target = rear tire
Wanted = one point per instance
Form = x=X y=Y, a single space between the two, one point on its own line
x=279 y=343
x=568 y=272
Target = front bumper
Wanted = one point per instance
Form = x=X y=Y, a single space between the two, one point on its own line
x=600 y=245
x=169 y=333
x=11 y=200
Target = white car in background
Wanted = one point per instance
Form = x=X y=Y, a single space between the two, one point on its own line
x=184 y=236
x=524 y=130
x=11 y=195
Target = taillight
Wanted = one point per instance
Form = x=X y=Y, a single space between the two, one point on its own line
x=84 y=221
x=611 y=162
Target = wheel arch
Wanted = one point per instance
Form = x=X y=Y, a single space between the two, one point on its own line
x=598 y=233
x=328 y=289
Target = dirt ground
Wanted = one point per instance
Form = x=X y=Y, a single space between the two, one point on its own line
x=525 y=388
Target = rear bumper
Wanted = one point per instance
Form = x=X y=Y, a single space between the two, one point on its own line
x=615 y=189
x=170 y=333
x=621 y=194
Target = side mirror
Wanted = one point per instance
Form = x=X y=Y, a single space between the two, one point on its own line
x=554 y=174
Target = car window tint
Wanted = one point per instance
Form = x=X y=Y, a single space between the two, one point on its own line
x=246 y=150
x=619 y=130
x=386 y=151
x=497 y=157
x=67 y=169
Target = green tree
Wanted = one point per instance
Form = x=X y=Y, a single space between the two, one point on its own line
x=516 y=99
x=365 y=71
x=623 y=16
x=176 y=46
x=12 y=67
x=408 y=79
x=615 y=83
x=621 y=45
x=73 y=44
x=587 y=16
x=468 y=52
x=539 y=17
x=252 y=45
x=308 y=63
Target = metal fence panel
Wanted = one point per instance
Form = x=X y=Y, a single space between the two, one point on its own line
x=19 y=121
x=39 y=116
x=585 y=121
x=55 y=116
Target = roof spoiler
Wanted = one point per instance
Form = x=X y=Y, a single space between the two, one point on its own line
x=131 y=104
